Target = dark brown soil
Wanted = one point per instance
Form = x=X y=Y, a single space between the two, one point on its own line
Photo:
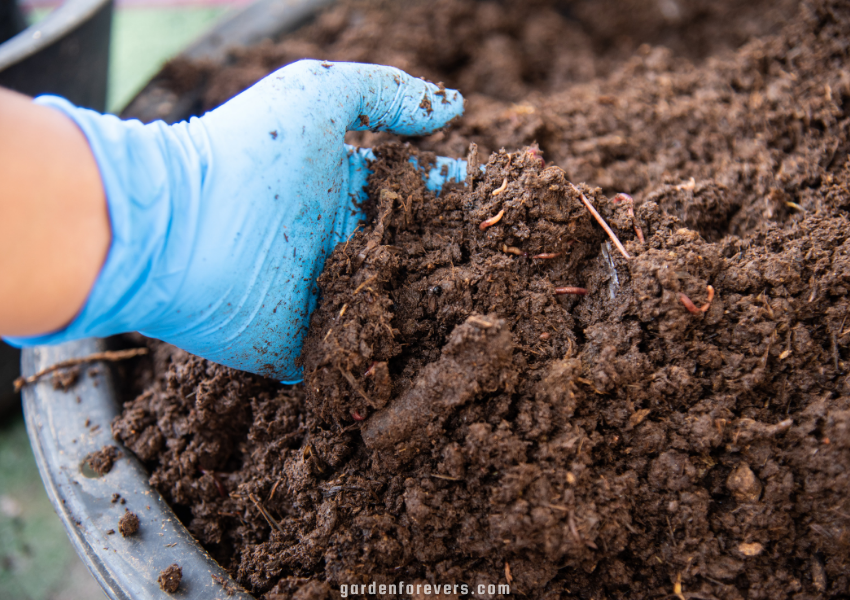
x=101 y=461
x=128 y=524
x=461 y=423
x=169 y=579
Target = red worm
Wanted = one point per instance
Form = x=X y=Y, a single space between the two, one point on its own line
x=492 y=220
x=546 y=255
x=217 y=483
x=576 y=291
x=356 y=415
x=536 y=154
x=692 y=307
x=621 y=197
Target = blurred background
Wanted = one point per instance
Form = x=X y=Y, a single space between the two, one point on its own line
x=37 y=561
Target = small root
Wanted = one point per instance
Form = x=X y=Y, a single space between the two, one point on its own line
x=365 y=283
x=602 y=223
x=269 y=519
x=350 y=379
x=108 y=356
x=492 y=220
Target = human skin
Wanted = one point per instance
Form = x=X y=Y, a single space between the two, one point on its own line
x=54 y=223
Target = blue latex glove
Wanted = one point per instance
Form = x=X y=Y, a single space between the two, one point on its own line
x=221 y=225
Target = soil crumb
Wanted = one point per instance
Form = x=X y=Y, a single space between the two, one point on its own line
x=101 y=461
x=65 y=379
x=460 y=413
x=169 y=579
x=128 y=524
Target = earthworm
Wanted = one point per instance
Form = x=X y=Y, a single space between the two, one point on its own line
x=547 y=255
x=217 y=483
x=513 y=250
x=356 y=415
x=535 y=153
x=492 y=220
x=683 y=298
x=576 y=291
x=371 y=370
x=502 y=187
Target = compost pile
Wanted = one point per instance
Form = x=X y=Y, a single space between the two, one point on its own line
x=680 y=430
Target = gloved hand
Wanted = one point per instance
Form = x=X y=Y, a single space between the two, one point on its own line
x=220 y=225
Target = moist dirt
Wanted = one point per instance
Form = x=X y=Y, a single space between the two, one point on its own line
x=678 y=428
x=169 y=579
x=128 y=524
x=101 y=461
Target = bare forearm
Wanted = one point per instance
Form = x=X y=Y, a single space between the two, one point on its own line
x=54 y=223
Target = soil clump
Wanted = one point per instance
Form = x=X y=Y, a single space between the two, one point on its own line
x=102 y=461
x=463 y=421
x=169 y=579
x=128 y=524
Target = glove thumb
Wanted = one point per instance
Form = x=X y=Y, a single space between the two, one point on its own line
x=388 y=99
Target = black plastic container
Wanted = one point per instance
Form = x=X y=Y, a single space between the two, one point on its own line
x=66 y=54
x=65 y=427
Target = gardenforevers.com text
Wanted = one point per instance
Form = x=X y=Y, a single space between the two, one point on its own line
x=427 y=589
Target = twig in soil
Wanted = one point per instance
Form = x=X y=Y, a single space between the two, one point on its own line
x=630 y=204
x=109 y=355
x=683 y=298
x=501 y=188
x=602 y=223
x=508 y=577
x=365 y=283
x=492 y=220
x=269 y=519
x=575 y=291
x=446 y=477
x=350 y=379
x=274 y=489
x=349 y=238
x=479 y=322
